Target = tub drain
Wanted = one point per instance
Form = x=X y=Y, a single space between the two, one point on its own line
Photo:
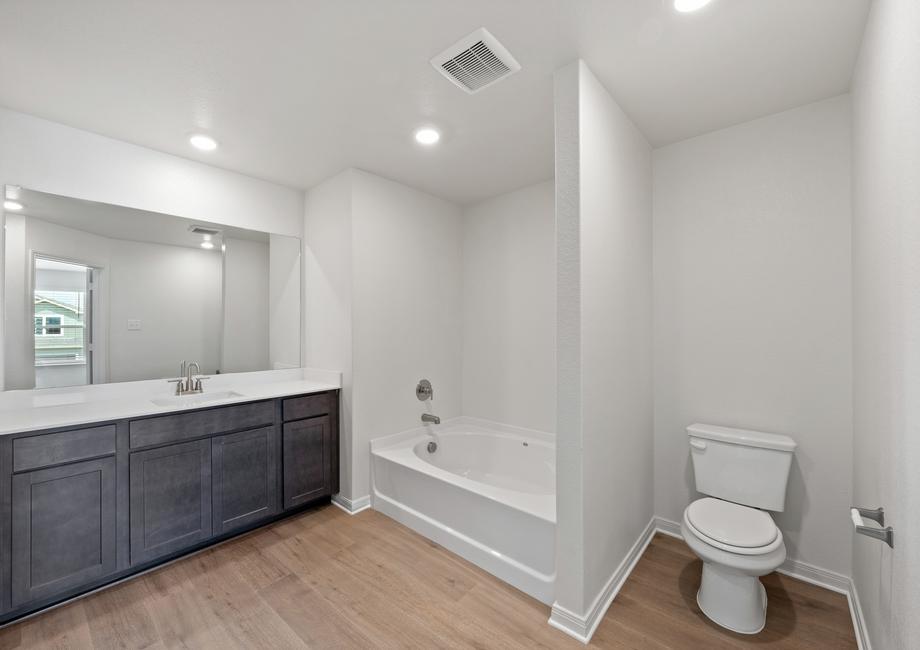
x=432 y=447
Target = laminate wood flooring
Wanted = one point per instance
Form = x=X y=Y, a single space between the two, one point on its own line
x=324 y=579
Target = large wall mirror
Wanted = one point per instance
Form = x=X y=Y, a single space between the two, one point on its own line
x=98 y=293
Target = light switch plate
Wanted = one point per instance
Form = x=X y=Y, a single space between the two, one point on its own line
x=134 y=325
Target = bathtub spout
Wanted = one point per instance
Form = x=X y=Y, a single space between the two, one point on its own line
x=433 y=419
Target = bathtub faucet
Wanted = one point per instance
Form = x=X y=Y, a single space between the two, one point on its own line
x=433 y=419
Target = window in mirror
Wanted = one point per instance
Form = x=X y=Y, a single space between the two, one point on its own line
x=61 y=317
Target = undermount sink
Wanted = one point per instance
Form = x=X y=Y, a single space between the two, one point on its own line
x=195 y=398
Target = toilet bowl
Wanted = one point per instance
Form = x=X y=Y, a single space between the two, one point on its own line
x=737 y=544
x=744 y=475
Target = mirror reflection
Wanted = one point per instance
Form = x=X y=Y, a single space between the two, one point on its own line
x=98 y=293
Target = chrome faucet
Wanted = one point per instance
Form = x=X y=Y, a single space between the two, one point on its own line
x=429 y=418
x=188 y=381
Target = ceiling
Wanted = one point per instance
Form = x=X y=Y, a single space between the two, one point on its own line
x=297 y=90
x=117 y=222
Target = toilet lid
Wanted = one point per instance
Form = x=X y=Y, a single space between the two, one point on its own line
x=732 y=524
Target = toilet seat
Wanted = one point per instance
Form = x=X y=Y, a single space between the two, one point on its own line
x=732 y=527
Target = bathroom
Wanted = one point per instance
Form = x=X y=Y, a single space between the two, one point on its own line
x=610 y=346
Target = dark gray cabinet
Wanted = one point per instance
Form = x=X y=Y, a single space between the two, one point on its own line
x=170 y=499
x=83 y=507
x=244 y=477
x=307 y=454
x=63 y=528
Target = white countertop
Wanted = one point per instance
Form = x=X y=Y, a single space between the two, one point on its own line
x=32 y=410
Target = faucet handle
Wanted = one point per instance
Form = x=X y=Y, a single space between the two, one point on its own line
x=178 y=383
x=198 y=381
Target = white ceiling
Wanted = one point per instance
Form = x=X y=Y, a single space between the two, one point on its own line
x=297 y=90
x=118 y=222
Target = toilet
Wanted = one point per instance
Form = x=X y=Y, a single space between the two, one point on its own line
x=743 y=475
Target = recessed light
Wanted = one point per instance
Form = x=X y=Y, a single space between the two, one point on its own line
x=427 y=136
x=686 y=6
x=15 y=206
x=207 y=245
x=203 y=142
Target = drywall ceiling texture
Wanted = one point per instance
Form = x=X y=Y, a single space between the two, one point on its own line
x=752 y=310
x=886 y=241
x=509 y=309
x=604 y=285
x=297 y=91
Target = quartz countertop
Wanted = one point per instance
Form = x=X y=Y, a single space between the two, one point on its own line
x=33 y=410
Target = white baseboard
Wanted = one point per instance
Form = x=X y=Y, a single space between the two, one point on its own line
x=352 y=506
x=668 y=527
x=859 y=621
x=583 y=627
x=807 y=573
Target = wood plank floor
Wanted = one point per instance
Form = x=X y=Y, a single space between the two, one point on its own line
x=328 y=580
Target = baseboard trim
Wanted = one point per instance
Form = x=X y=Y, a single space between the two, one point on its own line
x=859 y=621
x=583 y=627
x=807 y=573
x=352 y=506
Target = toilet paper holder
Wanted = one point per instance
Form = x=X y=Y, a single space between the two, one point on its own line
x=886 y=533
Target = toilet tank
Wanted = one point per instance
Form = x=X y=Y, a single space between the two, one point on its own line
x=746 y=467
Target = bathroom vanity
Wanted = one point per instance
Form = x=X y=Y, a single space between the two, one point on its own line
x=90 y=503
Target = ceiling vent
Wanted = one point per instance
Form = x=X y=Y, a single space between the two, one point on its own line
x=476 y=61
x=201 y=230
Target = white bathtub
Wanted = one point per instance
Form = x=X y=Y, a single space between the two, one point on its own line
x=488 y=493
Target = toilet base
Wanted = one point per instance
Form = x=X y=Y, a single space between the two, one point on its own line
x=734 y=600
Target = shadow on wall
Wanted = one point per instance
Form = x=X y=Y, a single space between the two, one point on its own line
x=790 y=521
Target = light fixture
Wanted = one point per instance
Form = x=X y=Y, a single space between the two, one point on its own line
x=14 y=206
x=207 y=245
x=203 y=142
x=686 y=6
x=427 y=136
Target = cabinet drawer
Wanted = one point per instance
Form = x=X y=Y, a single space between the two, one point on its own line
x=184 y=426
x=49 y=449
x=307 y=406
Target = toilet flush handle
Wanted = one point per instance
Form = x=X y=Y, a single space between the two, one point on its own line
x=698 y=444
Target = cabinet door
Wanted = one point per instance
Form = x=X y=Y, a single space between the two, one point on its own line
x=63 y=528
x=170 y=499
x=245 y=471
x=307 y=453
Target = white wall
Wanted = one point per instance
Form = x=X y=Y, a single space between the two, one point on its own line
x=54 y=158
x=604 y=260
x=328 y=302
x=407 y=309
x=175 y=293
x=285 y=282
x=886 y=265
x=246 y=310
x=752 y=309
x=383 y=300
x=509 y=308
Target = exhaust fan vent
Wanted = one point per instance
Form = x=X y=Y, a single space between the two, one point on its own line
x=201 y=230
x=476 y=62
